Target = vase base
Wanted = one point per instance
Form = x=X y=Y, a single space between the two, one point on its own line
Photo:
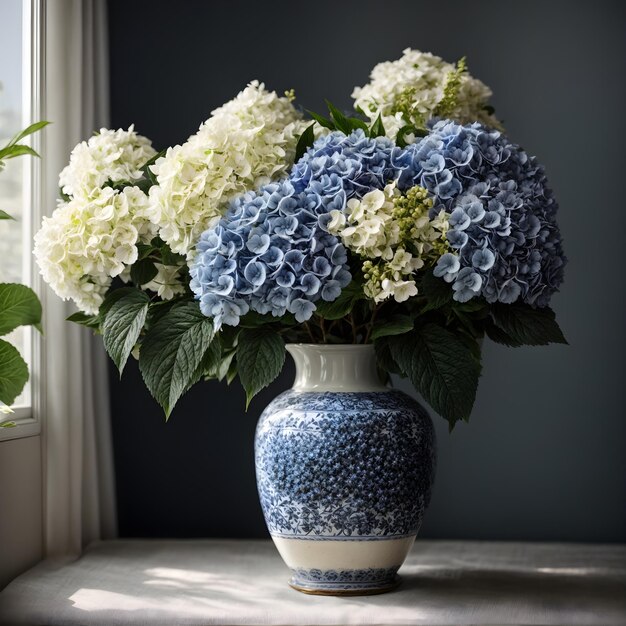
x=345 y=589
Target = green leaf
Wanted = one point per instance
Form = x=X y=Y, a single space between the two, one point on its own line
x=5 y=216
x=341 y=121
x=225 y=366
x=526 y=325
x=396 y=325
x=143 y=271
x=438 y=292
x=340 y=307
x=321 y=120
x=355 y=123
x=33 y=128
x=90 y=321
x=497 y=335
x=19 y=306
x=305 y=141
x=171 y=258
x=406 y=130
x=471 y=306
x=147 y=172
x=172 y=352
x=377 y=129
x=217 y=360
x=13 y=373
x=384 y=359
x=10 y=152
x=260 y=358
x=144 y=250
x=441 y=367
x=252 y=319
x=112 y=297
x=122 y=326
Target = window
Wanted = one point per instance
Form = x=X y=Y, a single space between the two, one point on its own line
x=20 y=89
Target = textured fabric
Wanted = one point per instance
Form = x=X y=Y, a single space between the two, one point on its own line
x=245 y=582
x=78 y=459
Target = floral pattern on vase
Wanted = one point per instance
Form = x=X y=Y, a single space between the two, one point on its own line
x=344 y=464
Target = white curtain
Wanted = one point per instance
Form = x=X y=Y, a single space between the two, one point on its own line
x=78 y=462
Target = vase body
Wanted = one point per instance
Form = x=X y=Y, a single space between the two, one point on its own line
x=344 y=471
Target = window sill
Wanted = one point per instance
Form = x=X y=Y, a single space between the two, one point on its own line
x=26 y=424
x=244 y=582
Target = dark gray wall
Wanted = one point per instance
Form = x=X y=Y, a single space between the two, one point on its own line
x=544 y=454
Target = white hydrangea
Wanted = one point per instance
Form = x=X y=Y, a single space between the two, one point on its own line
x=245 y=143
x=421 y=78
x=167 y=283
x=88 y=241
x=394 y=233
x=116 y=155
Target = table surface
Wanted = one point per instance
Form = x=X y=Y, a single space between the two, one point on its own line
x=204 y=582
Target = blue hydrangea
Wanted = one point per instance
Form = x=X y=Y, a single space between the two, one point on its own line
x=271 y=252
x=503 y=229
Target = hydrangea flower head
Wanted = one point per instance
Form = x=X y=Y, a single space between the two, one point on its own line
x=245 y=143
x=88 y=241
x=502 y=225
x=414 y=88
x=110 y=155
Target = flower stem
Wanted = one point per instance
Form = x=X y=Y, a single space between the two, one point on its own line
x=370 y=326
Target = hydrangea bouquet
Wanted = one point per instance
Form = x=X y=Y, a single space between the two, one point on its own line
x=412 y=223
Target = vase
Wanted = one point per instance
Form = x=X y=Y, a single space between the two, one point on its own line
x=344 y=466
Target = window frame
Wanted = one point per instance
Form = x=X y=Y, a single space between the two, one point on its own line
x=27 y=417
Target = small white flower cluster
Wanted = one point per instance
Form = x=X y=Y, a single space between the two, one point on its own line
x=167 y=283
x=115 y=155
x=417 y=82
x=245 y=143
x=394 y=233
x=90 y=240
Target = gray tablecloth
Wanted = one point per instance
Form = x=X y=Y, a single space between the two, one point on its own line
x=244 y=582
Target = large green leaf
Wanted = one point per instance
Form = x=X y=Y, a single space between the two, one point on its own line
x=122 y=326
x=19 y=306
x=396 y=325
x=260 y=358
x=172 y=352
x=441 y=367
x=13 y=373
x=5 y=216
x=526 y=325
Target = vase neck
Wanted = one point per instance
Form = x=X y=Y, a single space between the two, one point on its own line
x=345 y=367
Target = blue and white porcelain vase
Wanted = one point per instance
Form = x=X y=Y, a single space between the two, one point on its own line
x=344 y=470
